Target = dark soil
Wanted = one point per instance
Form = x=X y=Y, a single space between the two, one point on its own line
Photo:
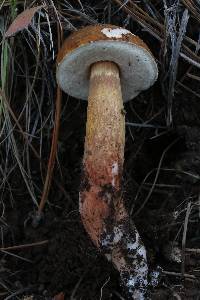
x=69 y=262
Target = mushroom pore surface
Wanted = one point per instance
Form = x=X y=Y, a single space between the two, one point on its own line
x=138 y=69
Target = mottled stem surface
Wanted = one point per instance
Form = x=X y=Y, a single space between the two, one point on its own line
x=101 y=204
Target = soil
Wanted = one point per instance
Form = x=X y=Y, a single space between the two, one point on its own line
x=69 y=262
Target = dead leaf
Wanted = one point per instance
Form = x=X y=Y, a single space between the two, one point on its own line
x=60 y=296
x=22 y=20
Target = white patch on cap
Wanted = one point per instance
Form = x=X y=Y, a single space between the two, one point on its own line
x=115 y=33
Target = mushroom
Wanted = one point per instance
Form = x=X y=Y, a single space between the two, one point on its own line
x=107 y=65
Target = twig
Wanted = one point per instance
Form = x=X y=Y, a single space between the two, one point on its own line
x=179 y=274
x=105 y=283
x=184 y=237
x=54 y=143
x=118 y=295
x=145 y=125
x=192 y=250
x=25 y=245
x=188 y=89
x=17 y=256
x=52 y=156
x=155 y=179
x=76 y=287
x=19 y=292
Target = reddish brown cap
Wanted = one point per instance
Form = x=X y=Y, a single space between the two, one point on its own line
x=138 y=69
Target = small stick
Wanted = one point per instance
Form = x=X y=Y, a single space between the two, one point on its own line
x=192 y=250
x=179 y=274
x=24 y=246
x=184 y=237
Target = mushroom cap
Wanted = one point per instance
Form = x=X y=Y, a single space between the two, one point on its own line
x=138 y=69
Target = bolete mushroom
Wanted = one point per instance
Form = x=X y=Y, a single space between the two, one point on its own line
x=108 y=65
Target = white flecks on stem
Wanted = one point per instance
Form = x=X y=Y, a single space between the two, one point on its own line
x=106 y=242
x=136 y=293
x=115 y=172
x=142 y=251
x=155 y=276
x=115 y=33
x=131 y=260
x=133 y=245
x=137 y=282
x=118 y=234
x=110 y=240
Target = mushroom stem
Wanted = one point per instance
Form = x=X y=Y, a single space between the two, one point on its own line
x=101 y=205
x=104 y=148
x=105 y=131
